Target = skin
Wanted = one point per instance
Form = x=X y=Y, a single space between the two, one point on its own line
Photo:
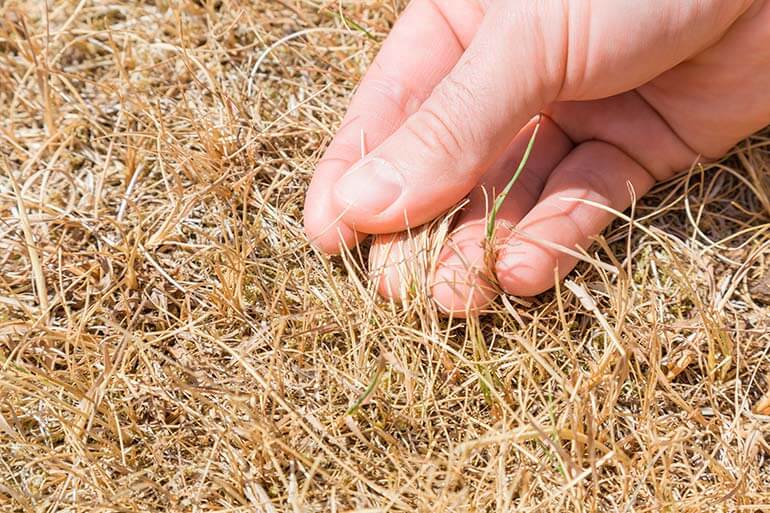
x=630 y=92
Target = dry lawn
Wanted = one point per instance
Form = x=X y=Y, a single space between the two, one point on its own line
x=170 y=342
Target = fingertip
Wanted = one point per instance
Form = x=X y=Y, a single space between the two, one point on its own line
x=333 y=242
x=395 y=265
x=524 y=268
x=384 y=259
x=324 y=232
x=461 y=293
x=461 y=285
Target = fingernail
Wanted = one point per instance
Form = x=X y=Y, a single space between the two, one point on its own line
x=372 y=185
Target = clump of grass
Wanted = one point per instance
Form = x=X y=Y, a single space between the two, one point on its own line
x=490 y=242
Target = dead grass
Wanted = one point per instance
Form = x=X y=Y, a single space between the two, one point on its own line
x=169 y=342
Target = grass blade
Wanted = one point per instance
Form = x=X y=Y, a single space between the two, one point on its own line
x=501 y=197
x=369 y=389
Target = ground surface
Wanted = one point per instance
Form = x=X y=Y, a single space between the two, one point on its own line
x=169 y=342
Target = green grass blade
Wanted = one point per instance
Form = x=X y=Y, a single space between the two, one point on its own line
x=351 y=23
x=501 y=197
x=369 y=389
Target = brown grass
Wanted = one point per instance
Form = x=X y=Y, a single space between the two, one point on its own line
x=169 y=342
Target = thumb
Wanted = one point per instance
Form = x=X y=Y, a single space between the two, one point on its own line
x=510 y=71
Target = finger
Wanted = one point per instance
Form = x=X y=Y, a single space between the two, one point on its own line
x=423 y=46
x=627 y=122
x=594 y=171
x=441 y=151
x=462 y=284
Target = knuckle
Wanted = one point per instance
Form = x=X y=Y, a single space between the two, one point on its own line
x=596 y=179
x=396 y=93
x=531 y=181
x=446 y=120
x=436 y=132
x=581 y=236
x=454 y=95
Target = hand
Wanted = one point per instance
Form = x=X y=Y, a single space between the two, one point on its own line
x=632 y=92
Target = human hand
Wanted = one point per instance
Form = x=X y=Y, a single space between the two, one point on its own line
x=632 y=92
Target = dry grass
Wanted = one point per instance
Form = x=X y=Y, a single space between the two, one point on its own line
x=169 y=342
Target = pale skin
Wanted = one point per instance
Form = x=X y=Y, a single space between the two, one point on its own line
x=630 y=93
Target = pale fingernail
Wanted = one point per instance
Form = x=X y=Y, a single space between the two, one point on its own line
x=372 y=185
